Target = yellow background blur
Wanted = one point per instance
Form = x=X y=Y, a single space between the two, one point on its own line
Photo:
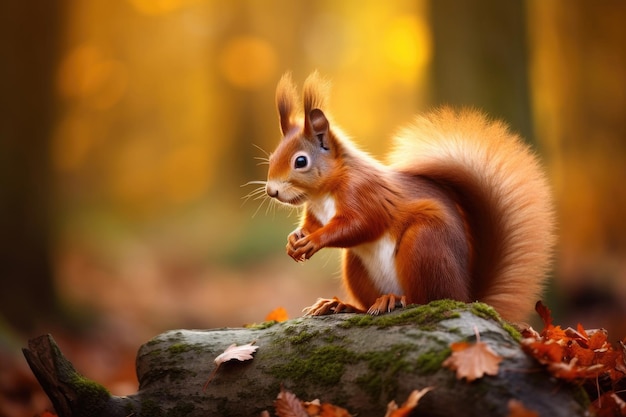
x=161 y=106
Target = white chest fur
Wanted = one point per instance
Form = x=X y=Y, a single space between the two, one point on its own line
x=378 y=257
x=324 y=209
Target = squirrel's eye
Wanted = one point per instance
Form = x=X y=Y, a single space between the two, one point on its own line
x=301 y=162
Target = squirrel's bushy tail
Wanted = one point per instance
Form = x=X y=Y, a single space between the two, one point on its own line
x=500 y=185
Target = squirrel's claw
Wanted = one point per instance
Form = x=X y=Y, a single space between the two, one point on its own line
x=325 y=306
x=386 y=303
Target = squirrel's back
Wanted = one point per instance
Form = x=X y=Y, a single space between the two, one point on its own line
x=497 y=181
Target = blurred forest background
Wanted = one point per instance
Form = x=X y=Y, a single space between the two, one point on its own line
x=128 y=127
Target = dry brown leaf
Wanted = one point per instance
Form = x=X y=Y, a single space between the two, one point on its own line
x=573 y=354
x=288 y=405
x=232 y=352
x=580 y=355
x=408 y=405
x=472 y=361
x=517 y=409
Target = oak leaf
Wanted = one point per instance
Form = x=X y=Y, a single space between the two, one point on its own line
x=232 y=352
x=472 y=361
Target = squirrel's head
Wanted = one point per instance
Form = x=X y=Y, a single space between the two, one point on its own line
x=306 y=154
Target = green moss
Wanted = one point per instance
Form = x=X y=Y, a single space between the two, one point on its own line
x=489 y=313
x=153 y=342
x=323 y=365
x=360 y=320
x=485 y=311
x=91 y=396
x=179 y=348
x=302 y=337
x=383 y=368
x=330 y=337
x=426 y=316
x=512 y=331
x=156 y=352
x=289 y=329
x=261 y=326
x=86 y=386
x=430 y=362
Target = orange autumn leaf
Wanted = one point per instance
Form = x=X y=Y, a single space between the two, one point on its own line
x=408 y=405
x=517 y=409
x=472 y=361
x=279 y=314
x=581 y=355
x=288 y=405
x=572 y=354
x=326 y=410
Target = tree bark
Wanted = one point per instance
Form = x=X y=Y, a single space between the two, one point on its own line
x=30 y=32
x=481 y=59
x=358 y=362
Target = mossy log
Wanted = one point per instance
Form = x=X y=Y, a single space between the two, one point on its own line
x=358 y=362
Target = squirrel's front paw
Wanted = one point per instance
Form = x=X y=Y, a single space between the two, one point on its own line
x=325 y=306
x=292 y=244
x=303 y=248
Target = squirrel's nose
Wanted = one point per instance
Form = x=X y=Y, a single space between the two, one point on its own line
x=271 y=191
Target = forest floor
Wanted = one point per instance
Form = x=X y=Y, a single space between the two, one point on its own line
x=118 y=311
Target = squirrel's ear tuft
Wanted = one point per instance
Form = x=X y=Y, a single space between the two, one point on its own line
x=314 y=93
x=316 y=125
x=286 y=101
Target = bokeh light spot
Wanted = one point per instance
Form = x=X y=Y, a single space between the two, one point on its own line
x=85 y=73
x=247 y=62
x=157 y=7
x=408 y=43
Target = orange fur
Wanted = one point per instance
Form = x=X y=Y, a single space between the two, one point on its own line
x=462 y=210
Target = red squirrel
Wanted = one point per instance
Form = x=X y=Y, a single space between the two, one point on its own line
x=461 y=210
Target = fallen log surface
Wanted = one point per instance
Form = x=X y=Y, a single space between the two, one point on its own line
x=358 y=362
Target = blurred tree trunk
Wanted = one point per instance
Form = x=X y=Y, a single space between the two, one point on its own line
x=579 y=86
x=480 y=58
x=29 y=35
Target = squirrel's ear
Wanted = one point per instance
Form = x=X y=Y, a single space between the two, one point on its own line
x=316 y=125
x=286 y=99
